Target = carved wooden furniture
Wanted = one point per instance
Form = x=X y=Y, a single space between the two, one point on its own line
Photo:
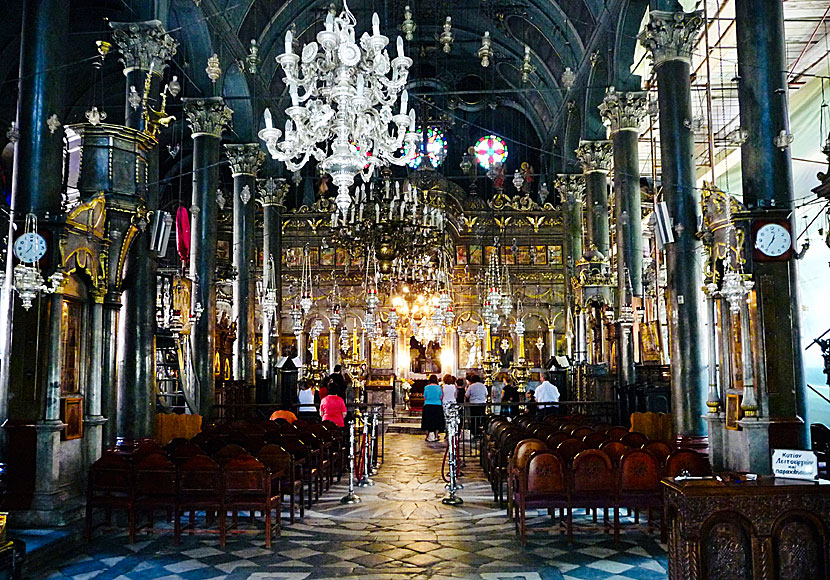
x=110 y=486
x=748 y=530
x=541 y=484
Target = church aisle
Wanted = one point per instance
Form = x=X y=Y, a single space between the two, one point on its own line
x=400 y=530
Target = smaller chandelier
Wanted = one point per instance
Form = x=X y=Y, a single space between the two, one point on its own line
x=735 y=288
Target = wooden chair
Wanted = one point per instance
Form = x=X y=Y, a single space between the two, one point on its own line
x=110 y=487
x=660 y=449
x=286 y=477
x=554 y=440
x=569 y=449
x=594 y=440
x=198 y=487
x=593 y=485
x=616 y=433
x=517 y=463
x=687 y=460
x=185 y=451
x=498 y=468
x=634 y=440
x=302 y=459
x=581 y=432
x=155 y=488
x=247 y=486
x=638 y=486
x=614 y=450
x=542 y=484
x=228 y=452
x=569 y=428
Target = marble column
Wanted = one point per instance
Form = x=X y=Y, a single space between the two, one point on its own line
x=272 y=197
x=766 y=176
x=670 y=38
x=35 y=187
x=571 y=191
x=624 y=112
x=109 y=366
x=93 y=420
x=245 y=161
x=207 y=118
x=145 y=48
x=595 y=157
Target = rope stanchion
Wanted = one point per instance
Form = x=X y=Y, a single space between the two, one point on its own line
x=351 y=498
x=365 y=480
x=451 y=412
x=373 y=464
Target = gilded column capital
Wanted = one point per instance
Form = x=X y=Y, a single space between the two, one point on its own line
x=143 y=45
x=273 y=192
x=570 y=187
x=624 y=111
x=671 y=35
x=208 y=116
x=245 y=158
x=595 y=156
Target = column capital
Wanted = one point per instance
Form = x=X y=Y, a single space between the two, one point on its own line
x=570 y=187
x=208 y=116
x=245 y=158
x=143 y=45
x=595 y=156
x=671 y=35
x=273 y=192
x=624 y=111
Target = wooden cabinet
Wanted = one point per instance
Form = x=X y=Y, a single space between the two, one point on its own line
x=769 y=529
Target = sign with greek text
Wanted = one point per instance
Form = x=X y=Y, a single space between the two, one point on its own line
x=794 y=464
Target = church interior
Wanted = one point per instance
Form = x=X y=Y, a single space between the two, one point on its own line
x=225 y=220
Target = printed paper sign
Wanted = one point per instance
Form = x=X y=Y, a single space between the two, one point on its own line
x=794 y=464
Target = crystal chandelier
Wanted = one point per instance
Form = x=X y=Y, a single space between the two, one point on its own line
x=348 y=95
x=498 y=298
x=393 y=217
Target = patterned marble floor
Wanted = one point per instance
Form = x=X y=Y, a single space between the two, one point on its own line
x=399 y=531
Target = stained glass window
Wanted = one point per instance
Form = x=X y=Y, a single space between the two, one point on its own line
x=490 y=150
x=436 y=148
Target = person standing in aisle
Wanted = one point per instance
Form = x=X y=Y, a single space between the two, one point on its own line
x=432 y=417
x=546 y=393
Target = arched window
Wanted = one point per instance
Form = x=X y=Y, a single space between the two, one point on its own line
x=436 y=148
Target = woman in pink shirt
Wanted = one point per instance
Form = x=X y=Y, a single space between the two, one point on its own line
x=332 y=408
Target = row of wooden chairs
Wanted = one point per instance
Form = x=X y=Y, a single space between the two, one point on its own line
x=154 y=483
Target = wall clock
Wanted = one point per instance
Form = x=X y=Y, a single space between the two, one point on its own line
x=772 y=240
x=29 y=247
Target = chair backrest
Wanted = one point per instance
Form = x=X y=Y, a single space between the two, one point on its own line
x=581 y=432
x=592 y=472
x=295 y=447
x=111 y=473
x=687 y=460
x=569 y=428
x=594 y=440
x=228 y=452
x=639 y=472
x=555 y=439
x=616 y=433
x=660 y=449
x=155 y=475
x=569 y=449
x=185 y=451
x=820 y=437
x=634 y=439
x=544 y=473
x=602 y=426
x=524 y=450
x=614 y=450
x=244 y=474
x=199 y=475
x=276 y=459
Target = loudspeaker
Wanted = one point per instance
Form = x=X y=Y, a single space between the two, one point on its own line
x=664 y=224
x=162 y=225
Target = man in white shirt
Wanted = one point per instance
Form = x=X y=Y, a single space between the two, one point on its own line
x=547 y=393
x=476 y=395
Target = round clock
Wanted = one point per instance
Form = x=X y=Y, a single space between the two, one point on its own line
x=773 y=240
x=29 y=247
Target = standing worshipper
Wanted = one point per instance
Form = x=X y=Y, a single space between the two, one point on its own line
x=307 y=409
x=546 y=393
x=510 y=394
x=432 y=417
x=332 y=408
x=476 y=395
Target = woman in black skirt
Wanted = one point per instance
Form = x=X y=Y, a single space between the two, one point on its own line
x=432 y=419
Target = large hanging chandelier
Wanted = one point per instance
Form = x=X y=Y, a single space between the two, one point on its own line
x=497 y=302
x=392 y=217
x=349 y=93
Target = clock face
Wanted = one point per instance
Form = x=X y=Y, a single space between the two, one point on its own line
x=30 y=247
x=773 y=240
